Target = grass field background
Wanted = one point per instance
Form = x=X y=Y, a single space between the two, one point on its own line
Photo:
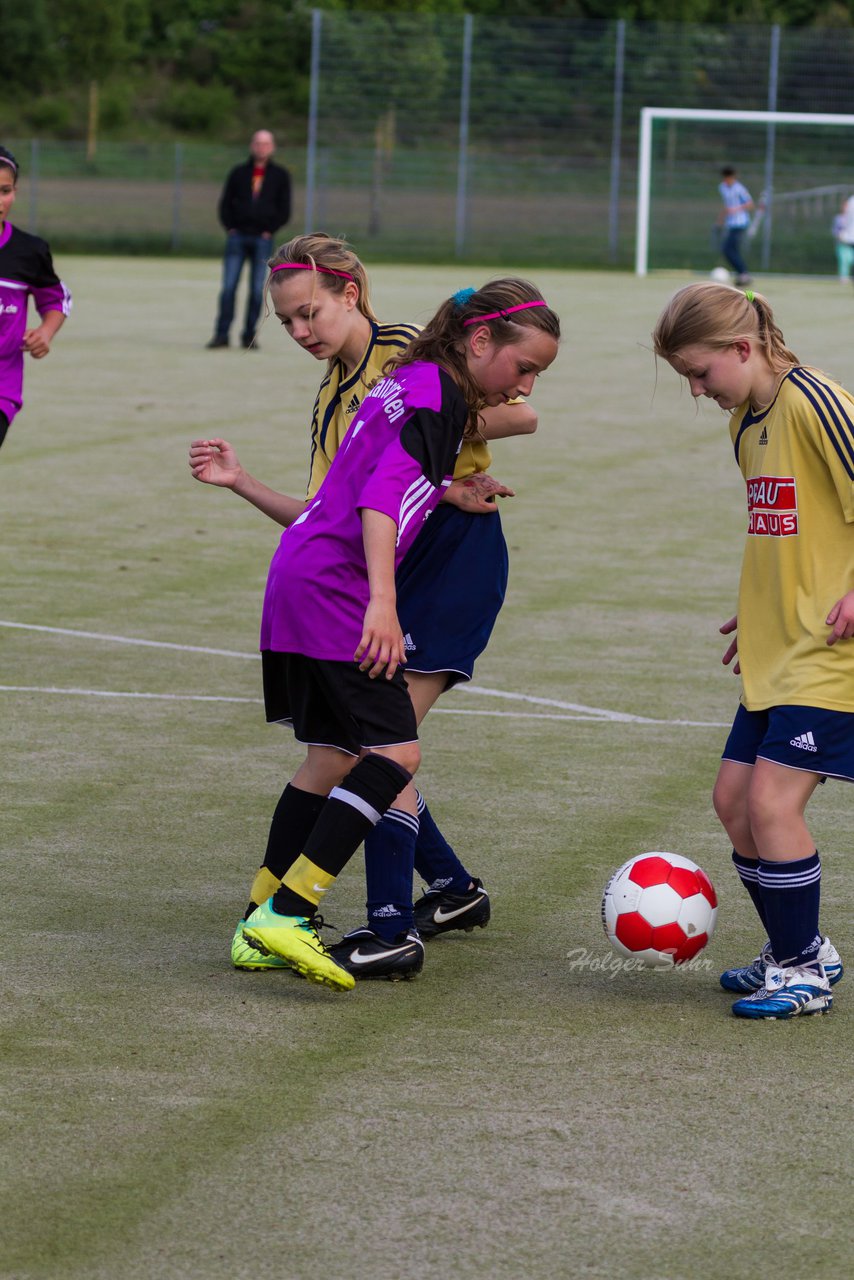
x=523 y=1109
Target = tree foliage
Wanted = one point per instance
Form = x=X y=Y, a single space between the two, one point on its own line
x=205 y=65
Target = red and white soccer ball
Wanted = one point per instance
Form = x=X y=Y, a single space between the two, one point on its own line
x=659 y=909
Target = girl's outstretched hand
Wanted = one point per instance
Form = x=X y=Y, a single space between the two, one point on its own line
x=841 y=619
x=215 y=462
x=381 y=646
x=477 y=493
x=732 y=649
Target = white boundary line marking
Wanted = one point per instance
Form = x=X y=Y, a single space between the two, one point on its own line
x=152 y=644
x=582 y=712
x=121 y=693
x=591 y=716
x=599 y=712
x=436 y=711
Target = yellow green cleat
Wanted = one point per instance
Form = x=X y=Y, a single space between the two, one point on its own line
x=245 y=956
x=295 y=940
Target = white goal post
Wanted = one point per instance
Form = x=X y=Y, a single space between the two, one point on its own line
x=650 y=114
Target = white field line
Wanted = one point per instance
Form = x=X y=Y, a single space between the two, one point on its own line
x=436 y=711
x=124 y=693
x=582 y=712
x=152 y=644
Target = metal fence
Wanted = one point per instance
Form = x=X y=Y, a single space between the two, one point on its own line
x=491 y=140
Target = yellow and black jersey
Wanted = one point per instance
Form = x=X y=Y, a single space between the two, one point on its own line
x=339 y=397
x=797 y=458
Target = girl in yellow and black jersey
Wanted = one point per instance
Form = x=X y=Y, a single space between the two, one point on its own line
x=792 y=430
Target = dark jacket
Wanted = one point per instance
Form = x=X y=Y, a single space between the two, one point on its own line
x=270 y=209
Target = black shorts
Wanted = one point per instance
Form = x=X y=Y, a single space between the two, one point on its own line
x=334 y=704
x=4 y=426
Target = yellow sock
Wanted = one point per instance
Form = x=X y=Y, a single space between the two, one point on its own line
x=264 y=886
x=308 y=880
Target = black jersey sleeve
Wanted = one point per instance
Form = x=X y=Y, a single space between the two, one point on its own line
x=433 y=437
x=27 y=258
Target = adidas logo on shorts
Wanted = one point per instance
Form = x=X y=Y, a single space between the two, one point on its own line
x=409 y=644
x=805 y=741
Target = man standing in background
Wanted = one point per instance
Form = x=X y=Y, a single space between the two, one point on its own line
x=255 y=203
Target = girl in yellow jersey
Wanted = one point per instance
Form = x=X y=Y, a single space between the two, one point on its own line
x=450 y=588
x=792 y=430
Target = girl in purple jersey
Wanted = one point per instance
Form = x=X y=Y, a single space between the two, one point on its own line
x=26 y=271
x=332 y=645
x=449 y=591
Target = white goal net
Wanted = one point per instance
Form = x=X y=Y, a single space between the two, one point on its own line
x=797 y=167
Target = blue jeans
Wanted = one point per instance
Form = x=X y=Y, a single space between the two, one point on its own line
x=731 y=249
x=240 y=248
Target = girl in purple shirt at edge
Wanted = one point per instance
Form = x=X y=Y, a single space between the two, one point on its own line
x=333 y=662
x=26 y=269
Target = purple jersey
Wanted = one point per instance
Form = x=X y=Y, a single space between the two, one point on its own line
x=26 y=271
x=398 y=458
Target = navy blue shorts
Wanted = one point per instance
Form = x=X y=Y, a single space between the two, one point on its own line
x=450 y=589
x=807 y=738
x=334 y=704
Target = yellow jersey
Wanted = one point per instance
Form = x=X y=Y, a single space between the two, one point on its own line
x=797 y=458
x=339 y=396
x=474 y=457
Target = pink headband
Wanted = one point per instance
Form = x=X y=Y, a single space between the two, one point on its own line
x=306 y=266
x=502 y=315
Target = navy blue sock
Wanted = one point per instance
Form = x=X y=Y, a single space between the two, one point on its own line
x=748 y=870
x=435 y=860
x=790 y=896
x=389 y=858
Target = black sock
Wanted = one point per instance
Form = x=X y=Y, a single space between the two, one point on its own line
x=370 y=788
x=293 y=819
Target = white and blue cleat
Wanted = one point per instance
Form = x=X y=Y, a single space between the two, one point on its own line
x=752 y=976
x=786 y=993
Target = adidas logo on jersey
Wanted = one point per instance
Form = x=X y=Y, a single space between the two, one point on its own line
x=353 y=405
x=763 y=439
x=409 y=644
x=805 y=741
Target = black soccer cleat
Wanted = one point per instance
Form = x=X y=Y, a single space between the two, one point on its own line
x=366 y=955
x=440 y=911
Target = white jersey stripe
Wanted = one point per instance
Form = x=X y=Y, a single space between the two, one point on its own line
x=414 y=494
x=425 y=499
